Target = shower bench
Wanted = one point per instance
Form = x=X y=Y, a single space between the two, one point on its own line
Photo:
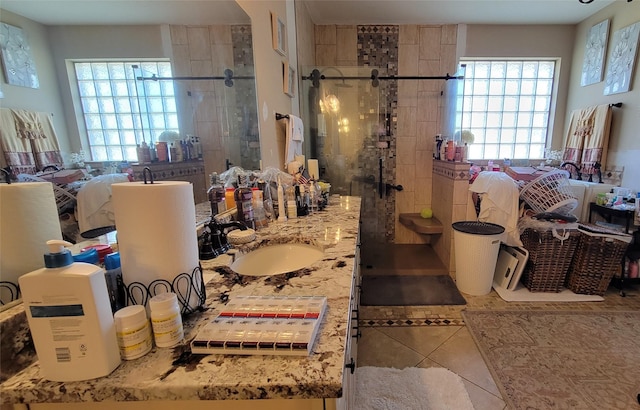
x=426 y=226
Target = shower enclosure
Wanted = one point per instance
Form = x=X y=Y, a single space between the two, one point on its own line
x=350 y=128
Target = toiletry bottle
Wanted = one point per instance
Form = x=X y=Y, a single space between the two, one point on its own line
x=173 y=152
x=282 y=206
x=146 y=153
x=443 y=149
x=115 y=283
x=259 y=214
x=437 y=147
x=166 y=320
x=153 y=154
x=451 y=150
x=229 y=199
x=216 y=194
x=69 y=314
x=199 y=147
x=243 y=197
x=133 y=332
x=292 y=209
x=162 y=151
x=301 y=207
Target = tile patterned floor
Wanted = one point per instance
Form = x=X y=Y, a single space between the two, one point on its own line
x=435 y=336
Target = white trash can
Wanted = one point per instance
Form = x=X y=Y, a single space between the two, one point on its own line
x=476 y=246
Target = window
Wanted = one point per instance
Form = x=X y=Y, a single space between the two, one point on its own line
x=506 y=106
x=120 y=112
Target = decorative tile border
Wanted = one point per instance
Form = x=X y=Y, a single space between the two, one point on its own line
x=612 y=175
x=412 y=322
x=452 y=170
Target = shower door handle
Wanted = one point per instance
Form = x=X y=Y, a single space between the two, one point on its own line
x=380 y=184
x=391 y=186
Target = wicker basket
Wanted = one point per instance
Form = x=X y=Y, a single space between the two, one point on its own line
x=550 y=192
x=598 y=257
x=549 y=258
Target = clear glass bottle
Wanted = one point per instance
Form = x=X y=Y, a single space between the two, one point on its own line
x=259 y=213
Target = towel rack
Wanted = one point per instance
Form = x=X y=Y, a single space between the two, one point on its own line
x=618 y=104
x=281 y=116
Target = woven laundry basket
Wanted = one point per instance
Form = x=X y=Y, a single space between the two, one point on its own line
x=598 y=257
x=551 y=248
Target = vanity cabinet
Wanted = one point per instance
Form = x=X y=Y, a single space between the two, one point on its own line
x=190 y=171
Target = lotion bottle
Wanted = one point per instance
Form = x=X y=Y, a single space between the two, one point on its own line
x=69 y=314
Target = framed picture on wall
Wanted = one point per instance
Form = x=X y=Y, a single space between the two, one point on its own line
x=279 y=34
x=594 y=52
x=622 y=58
x=17 y=61
x=288 y=79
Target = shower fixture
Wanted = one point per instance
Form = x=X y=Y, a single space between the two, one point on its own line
x=375 y=77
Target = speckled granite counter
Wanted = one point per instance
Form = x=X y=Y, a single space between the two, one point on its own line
x=176 y=374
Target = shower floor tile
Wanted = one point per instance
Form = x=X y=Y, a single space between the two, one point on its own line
x=400 y=259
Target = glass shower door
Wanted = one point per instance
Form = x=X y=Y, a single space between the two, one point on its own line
x=349 y=129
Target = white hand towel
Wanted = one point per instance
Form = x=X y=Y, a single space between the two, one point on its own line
x=295 y=138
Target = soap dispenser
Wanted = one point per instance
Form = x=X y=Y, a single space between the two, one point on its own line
x=69 y=314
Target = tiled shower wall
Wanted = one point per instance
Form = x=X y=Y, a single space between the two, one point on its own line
x=414 y=107
x=206 y=51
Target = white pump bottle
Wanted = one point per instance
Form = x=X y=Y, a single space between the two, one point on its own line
x=69 y=313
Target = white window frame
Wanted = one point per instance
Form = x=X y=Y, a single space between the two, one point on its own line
x=489 y=143
x=128 y=119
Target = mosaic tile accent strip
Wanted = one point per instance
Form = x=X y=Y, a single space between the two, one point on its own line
x=378 y=48
x=452 y=170
x=245 y=96
x=409 y=322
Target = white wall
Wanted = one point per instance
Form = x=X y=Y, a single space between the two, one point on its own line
x=47 y=97
x=268 y=62
x=624 y=141
x=79 y=42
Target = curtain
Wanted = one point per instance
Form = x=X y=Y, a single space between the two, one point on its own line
x=17 y=152
x=587 y=138
x=28 y=141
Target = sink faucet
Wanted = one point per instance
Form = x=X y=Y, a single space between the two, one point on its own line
x=576 y=167
x=214 y=241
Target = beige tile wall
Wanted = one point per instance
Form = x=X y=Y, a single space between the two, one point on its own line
x=451 y=188
x=422 y=51
x=203 y=51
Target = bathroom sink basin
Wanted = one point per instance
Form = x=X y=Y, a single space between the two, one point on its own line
x=276 y=259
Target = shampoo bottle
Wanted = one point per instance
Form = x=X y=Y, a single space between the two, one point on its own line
x=69 y=314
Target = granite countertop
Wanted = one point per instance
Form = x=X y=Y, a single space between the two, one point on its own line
x=176 y=374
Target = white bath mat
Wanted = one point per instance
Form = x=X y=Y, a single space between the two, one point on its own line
x=522 y=294
x=412 y=388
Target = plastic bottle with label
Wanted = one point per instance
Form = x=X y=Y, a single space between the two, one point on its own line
x=71 y=298
x=133 y=332
x=166 y=320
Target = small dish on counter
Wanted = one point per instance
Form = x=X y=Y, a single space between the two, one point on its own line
x=239 y=237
